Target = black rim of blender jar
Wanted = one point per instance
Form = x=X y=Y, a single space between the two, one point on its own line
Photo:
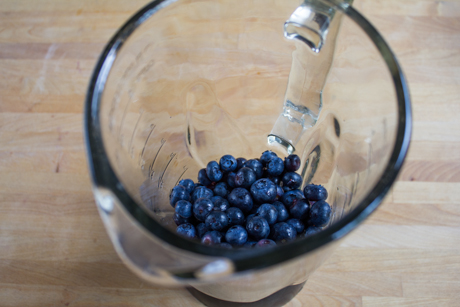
x=104 y=176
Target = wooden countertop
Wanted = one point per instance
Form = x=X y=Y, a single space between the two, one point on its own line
x=54 y=250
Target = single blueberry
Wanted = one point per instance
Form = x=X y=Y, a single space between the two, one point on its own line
x=291 y=180
x=236 y=235
x=221 y=189
x=256 y=166
x=283 y=232
x=201 y=229
x=179 y=220
x=263 y=191
x=268 y=212
x=228 y=163
x=300 y=209
x=231 y=180
x=241 y=199
x=203 y=177
x=275 y=167
x=245 y=177
x=265 y=243
x=292 y=163
x=211 y=238
x=220 y=204
x=249 y=217
x=201 y=208
x=315 y=192
x=235 y=216
x=311 y=231
x=291 y=197
x=216 y=220
x=297 y=224
x=213 y=171
x=279 y=192
x=201 y=192
x=184 y=208
x=240 y=162
x=320 y=213
x=179 y=192
x=258 y=228
x=283 y=214
x=267 y=156
x=186 y=230
x=188 y=184
x=224 y=245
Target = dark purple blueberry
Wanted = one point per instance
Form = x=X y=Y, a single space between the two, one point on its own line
x=263 y=191
x=258 y=228
x=245 y=177
x=186 y=230
x=213 y=171
x=297 y=224
x=275 y=167
x=201 y=229
x=240 y=162
x=268 y=212
x=320 y=213
x=311 y=231
x=224 y=245
x=283 y=232
x=188 y=184
x=220 y=204
x=291 y=197
x=203 y=177
x=228 y=163
x=279 y=192
x=201 y=192
x=211 y=238
x=216 y=220
x=231 y=180
x=283 y=214
x=235 y=216
x=256 y=166
x=179 y=220
x=292 y=163
x=315 y=192
x=221 y=189
x=184 y=208
x=250 y=244
x=265 y=243
x=240 y=198
x=267 y=156
x=291 y=180
x=300 y=209
x=179 y=192
x=201 y=208
x=236 y=235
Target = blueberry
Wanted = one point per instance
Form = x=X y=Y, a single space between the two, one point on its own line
x=201 y=229
x=283 y=232
x=250 y=244
x=236 y=235
x=311 y=231
x=268 y=212
x=211 y=238
x=315 y=192
x=297 y=224
x=240 y=162
x=224 y=245
x=249 y=217
x=188 y=184
x=258 y=228
x=320 y=213
x=291 y=197
x=267 y=156
x=186 y=230
x=216 y=220
x=300 y=209
x=283 y=214
x=279 y=192
x=221 y=189
x=220 y=204
x=256 y=166
x=275 y=167
x=201 y=192
x=179 y=220
x=235 y=216
x=179 y=192
x=265 y=243
x=213 y=171
x=201 y=208
x=228 y=163
x=203 y=177
x=184 y=208
x=231 y=180
x=245 y=177
x=275 y=180
x=291 y=180
x=241 y=199
x=292 y=163
x=263 y=191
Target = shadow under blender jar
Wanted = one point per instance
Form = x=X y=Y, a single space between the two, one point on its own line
x=186 y=82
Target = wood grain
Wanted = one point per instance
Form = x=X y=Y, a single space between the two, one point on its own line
x=54 y=250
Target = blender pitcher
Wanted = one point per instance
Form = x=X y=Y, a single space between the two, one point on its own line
x=185 y=82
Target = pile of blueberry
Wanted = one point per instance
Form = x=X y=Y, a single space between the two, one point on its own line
x=246 y=203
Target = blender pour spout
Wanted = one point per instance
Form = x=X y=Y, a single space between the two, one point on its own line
x=313 y=27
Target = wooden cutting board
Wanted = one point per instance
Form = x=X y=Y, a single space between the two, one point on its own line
x=54 y=250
